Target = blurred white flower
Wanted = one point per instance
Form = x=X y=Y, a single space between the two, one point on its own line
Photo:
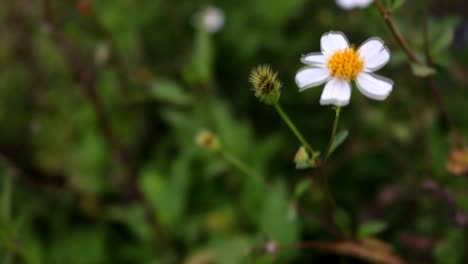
x=211 y=19
x=349 y=4
x=338 y=64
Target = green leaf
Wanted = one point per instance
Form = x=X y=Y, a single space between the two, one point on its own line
x=70 y=247
x=275 y=222
x=443 y=40
x=340 y=137
x=397 y=4
x=200 y=69
x=302 y=187
x=343 y=220
x=169 y=91
x=421 y=70
x=371 y=228
x=168 y=193
x=229 y=250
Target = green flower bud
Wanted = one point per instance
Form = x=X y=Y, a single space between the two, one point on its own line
x=303 y=160
x=265 y=83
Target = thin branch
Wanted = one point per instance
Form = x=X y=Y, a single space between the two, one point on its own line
x=386 y=14
x=377 y=252
x=432 y=84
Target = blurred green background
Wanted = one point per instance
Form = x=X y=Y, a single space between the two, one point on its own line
x=101 y=102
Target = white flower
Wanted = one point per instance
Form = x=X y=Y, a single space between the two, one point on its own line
x=349 y=4
x=211 y=19
x=338 y=64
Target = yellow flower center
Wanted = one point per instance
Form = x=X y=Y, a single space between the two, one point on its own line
x=345 y=64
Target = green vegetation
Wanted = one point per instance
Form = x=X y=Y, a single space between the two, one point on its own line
x=131 y=134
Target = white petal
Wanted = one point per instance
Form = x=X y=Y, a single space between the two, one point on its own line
x=349 y=4
x=309 y=77
x=364 y=3
x=374 y=53
x=374 y=86
x=337 y=92
x=346 y=4
x=333 y=41
x=314 y=59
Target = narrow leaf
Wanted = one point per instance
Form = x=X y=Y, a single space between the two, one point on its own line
x=169 y=91
x=343 y=220
x=302 y=187
x=371 y=228
x=421 y=70
x=397 y=4
x=444 y=40
x=340 y=137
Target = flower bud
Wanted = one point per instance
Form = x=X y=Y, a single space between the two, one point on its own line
x=303 y=160
x=265 y=83
x=207 y=140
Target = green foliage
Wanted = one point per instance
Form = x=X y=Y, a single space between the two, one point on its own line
x=100 y=111
x=301 y=188
x=371 y=228
x=274 y=218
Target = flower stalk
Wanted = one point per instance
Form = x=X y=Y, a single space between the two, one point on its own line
x=333 y=132
x=209 y=141
x=267 y=88
x=330 y=201
x=293 y=127
x=239 y=164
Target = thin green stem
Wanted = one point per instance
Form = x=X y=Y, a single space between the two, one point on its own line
x=331 y=204
x=293 y=128
x=242 y=166
x=333 y=132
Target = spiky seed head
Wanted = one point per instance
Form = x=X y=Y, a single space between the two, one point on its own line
x=266 y=84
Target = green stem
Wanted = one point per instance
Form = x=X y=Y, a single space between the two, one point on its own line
x=333 y=132
x=331 y=204
x=293 y=128
x=244 y=168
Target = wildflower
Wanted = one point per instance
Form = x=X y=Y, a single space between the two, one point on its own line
x=265 y=84
x=338 y=64
x=211 y=19
x=349 y=4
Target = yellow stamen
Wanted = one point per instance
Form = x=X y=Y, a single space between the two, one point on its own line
x=345 y=64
